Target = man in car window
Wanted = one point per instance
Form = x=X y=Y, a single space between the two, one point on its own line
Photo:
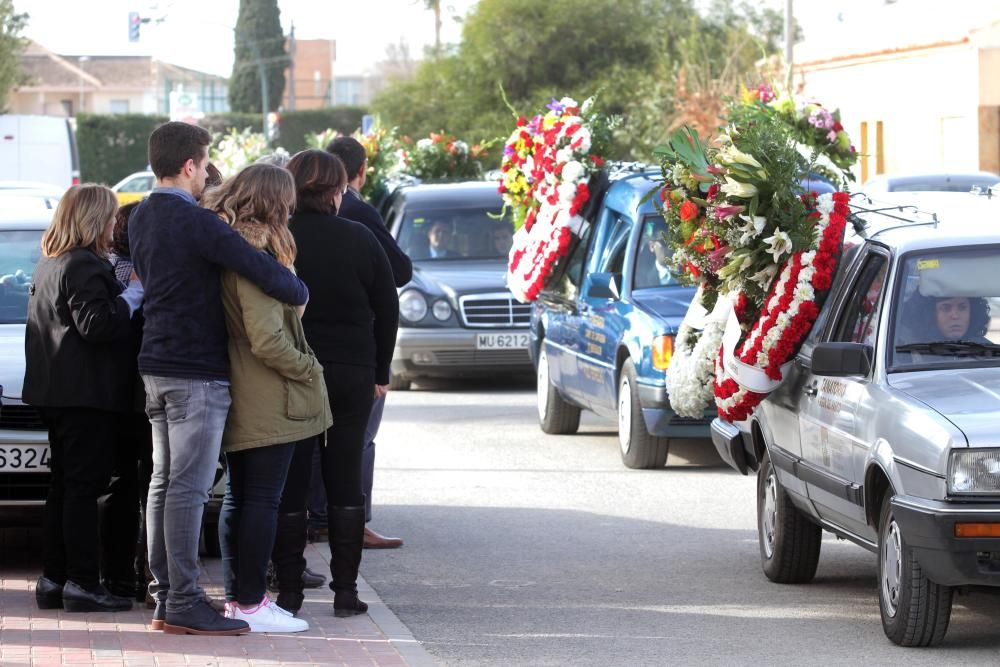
x=438 y=237
x=503 y=239
x=652 y=264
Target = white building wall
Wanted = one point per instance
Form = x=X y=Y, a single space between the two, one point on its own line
x=926 y=99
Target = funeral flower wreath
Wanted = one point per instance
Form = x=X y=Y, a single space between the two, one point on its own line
x=546 y=167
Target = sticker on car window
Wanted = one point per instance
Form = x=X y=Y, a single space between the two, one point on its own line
x=928 y=264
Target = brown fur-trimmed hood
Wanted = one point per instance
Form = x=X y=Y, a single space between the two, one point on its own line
x=256 y=234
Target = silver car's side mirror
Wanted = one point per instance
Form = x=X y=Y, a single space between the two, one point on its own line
x=605 y=286
x=842 y=359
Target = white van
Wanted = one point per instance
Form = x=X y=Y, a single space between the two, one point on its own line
x=38 y=148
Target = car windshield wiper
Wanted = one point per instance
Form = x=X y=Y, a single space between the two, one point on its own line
x=954 y=348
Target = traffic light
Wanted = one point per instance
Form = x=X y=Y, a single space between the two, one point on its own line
x=134 y=21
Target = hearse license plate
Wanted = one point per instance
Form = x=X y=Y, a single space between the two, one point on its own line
x=502 y=341
x=24 y=458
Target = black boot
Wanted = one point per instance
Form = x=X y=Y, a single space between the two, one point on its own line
x=289 y=563
x=347 y=535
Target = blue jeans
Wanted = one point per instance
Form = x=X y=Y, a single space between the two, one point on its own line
x=188 y=417
x=249 y=518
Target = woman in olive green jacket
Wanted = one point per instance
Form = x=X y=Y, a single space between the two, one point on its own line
x=278 y=396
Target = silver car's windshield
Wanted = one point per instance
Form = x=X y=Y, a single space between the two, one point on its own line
x=948 y=310
x=455 y=234
x=19 y=253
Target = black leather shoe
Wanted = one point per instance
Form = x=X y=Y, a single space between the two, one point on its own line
x=201 y=619
x=48 y=594
x=312 y=579
x=78 y=599
x=120 y=587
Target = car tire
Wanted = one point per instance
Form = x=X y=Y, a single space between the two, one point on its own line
x=639 y=449
x=555 y=415
x=789 y=541
x=397 y=383
x=915 y=611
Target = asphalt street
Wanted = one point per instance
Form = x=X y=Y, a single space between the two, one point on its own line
x=529 y=549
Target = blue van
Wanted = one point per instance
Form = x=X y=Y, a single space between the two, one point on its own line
x=602 y=334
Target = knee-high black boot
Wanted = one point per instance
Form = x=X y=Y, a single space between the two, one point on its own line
x=347 y=532
x=289 y=563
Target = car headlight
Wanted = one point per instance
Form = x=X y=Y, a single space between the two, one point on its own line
x=974 y=472
x=441 y=310
x=412 y=305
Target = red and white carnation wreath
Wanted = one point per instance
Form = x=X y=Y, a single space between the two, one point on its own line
x=789 y=312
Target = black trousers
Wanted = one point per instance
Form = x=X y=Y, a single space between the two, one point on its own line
x=122 y=531
x=352 y=391
x=295 y=495
x=82 y=443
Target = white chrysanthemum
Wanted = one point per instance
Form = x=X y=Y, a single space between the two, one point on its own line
x=573 y=171
x=424 y=144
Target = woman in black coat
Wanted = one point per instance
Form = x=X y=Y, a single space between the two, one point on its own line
x=350 y=323
x=80 y=372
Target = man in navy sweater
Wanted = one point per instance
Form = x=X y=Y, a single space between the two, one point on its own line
x=179 y=251
x=353 y=207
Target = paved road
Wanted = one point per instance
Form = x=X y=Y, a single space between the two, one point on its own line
x=528 y=549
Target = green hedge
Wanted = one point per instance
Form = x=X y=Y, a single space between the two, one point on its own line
x=296 y=125
x=112 y=147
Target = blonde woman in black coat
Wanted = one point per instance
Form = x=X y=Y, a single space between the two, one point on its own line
x=80 y=372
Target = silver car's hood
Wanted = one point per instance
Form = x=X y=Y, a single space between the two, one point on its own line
x=969 y=398
x=11 y=359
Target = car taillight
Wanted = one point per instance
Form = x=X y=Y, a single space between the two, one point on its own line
x=663 y=351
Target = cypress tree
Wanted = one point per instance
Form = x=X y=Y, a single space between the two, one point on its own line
x=258 y=38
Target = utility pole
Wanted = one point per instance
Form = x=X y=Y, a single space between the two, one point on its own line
x=789 y=39
x=291 y=68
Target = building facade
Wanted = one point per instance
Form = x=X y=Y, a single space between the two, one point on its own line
x=65 y=85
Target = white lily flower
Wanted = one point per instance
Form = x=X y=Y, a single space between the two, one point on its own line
x=753 y=227
x=735 y=188
x=778 y=244
x=764 y=276
x=733 y=155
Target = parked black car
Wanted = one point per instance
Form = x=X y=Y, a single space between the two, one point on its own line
x=457 y=317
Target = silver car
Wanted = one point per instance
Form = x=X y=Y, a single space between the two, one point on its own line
x=24 y=447
x=886 y=430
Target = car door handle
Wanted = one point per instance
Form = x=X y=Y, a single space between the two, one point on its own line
x=811 y=390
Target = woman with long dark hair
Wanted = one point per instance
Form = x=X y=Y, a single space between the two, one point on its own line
x=351 y=324
x=80 y=368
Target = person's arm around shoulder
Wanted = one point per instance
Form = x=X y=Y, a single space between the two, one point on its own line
x=98 y=312
x=270 y=342
x=224 y=246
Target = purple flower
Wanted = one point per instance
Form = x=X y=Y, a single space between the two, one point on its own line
x=554 y=105
x=508 y=150
x=821 y=118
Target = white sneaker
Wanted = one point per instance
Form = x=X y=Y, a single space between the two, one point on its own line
x=266 y=617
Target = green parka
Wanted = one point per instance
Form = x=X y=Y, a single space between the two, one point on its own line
x=278 y=392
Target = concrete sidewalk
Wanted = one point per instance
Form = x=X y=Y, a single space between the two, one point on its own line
x=31 y=637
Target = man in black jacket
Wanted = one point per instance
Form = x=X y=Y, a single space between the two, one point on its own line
x=353 y=207
x=179 y=251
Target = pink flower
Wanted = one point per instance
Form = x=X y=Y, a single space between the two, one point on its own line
x=726 y=211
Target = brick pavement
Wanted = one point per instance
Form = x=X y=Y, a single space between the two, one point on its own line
x=30 y=637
